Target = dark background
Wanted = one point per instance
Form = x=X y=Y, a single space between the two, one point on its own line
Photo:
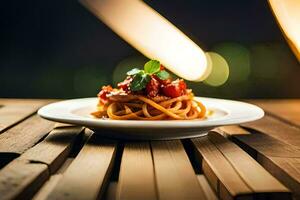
x=57 y=49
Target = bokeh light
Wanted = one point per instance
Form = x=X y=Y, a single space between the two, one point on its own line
x=125 y=65
x=238 y=59
x=219 y=72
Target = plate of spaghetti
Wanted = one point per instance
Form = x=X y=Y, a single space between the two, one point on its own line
x=150 y=104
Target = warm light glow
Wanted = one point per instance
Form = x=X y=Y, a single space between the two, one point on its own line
x=220 y=70
x=287 y=13
x=152 y=35
x=238 y=59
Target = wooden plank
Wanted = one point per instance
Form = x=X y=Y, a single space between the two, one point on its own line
x=256 y=177
x=65 y=165
x=54 y=149
x=208 y=191
x=5 y=158
x=24 y=135
x=222 y=176
x=41 y=159
x=112 y=191
x=88 y=174
x=21 y=179
x=228 y=130
x=286 y=109
x=211 y=176
x=134 y=182
x=12 y=113
x=287 y=170
x=47 y=188
x=175 y=176
x=268 y=145
x=277 y=129
x=61 y=125
x=278 y=158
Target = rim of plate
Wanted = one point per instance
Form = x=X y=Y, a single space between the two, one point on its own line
x=237 y=112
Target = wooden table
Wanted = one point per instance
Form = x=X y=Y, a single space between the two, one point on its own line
x=40 y=159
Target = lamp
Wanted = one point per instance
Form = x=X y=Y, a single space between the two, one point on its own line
x=153 y=35
x=287 y=13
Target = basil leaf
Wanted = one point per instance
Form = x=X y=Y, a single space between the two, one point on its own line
x=133 y=72
x=163 y=75
x=152 y=66
x=139 y=81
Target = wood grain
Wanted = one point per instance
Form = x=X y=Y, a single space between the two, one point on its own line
x=222 y=176
x=155 y=170
x=228 y=130
x=65 y=165
x=286 y=109
x=268 y=145
x=278 y=158
x=47 y=188
x=12 y=113
x=54 y=149
x=21 y=179
x=23 y=176
x=286 y=170
x=175 y=176
x=24 y=135
x=256 y=177
x=112 y=191
x=88 y=174
x=208 y=191
x=136 y=178
x=277 y=129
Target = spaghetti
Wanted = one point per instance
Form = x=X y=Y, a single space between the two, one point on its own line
x=159 y=99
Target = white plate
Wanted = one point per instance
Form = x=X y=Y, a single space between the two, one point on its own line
x=224 y=112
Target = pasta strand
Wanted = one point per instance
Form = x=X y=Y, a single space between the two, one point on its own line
x=143 y=108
